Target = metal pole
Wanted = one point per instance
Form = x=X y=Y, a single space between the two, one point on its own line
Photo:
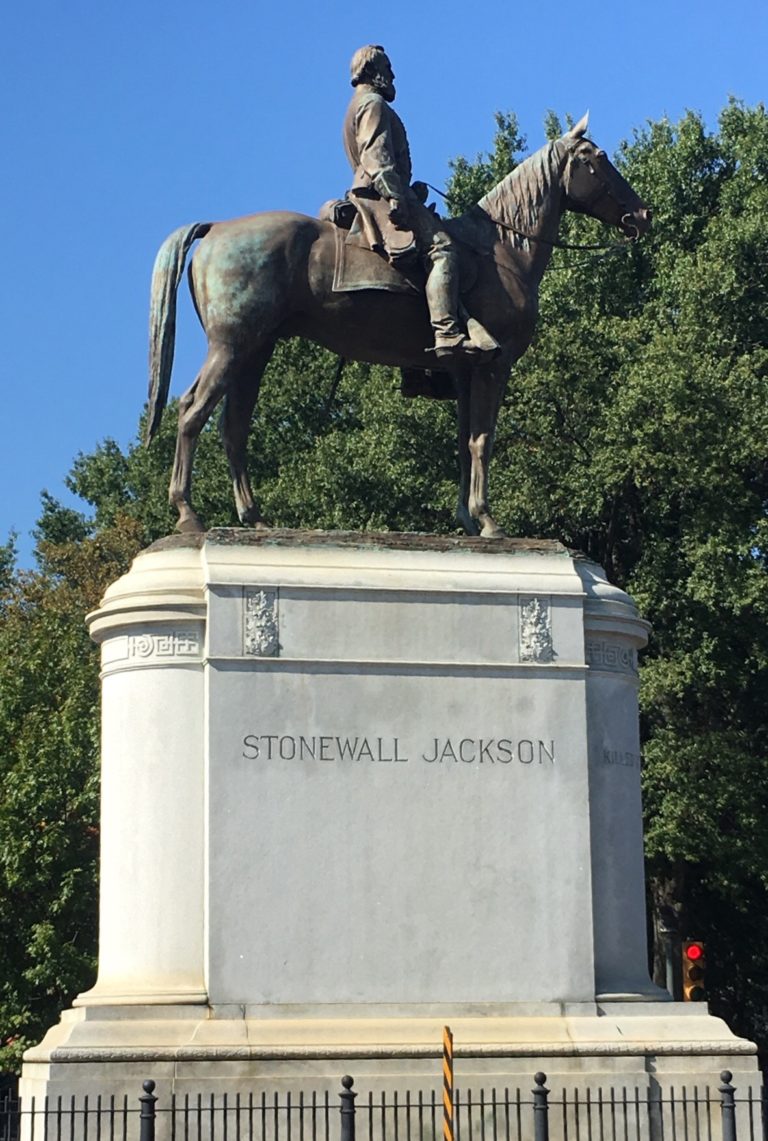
x=147 y=1115
x=447 y=1084
x=541 y=1108
x=347 y=1109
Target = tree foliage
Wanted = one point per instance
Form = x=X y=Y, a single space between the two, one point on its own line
x=634 y=429
x=49 y=741
x=470 y=181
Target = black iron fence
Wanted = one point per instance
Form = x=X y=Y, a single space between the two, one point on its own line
x=9 y=1114
x=691 y=1113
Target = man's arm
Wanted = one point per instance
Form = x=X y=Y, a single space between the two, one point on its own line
x=377 y=156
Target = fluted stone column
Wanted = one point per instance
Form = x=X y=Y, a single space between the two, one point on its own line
x=613 y=635
x=151 y=627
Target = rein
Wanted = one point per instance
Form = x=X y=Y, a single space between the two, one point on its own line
x=554 y=243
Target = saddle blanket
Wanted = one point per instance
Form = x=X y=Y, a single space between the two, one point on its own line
x=357 y=267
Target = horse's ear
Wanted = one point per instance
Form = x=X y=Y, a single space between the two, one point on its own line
x=580 y=130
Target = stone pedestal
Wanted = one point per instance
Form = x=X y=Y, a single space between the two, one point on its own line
x=356 y=787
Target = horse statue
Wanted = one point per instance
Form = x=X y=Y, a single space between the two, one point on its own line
x=258 y=279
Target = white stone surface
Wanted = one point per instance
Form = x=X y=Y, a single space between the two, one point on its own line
x=401 y=795
x=354 y=788
x=635 y=1046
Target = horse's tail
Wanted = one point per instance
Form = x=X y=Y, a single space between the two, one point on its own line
x=166 y=275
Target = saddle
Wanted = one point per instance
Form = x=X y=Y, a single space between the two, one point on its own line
x=363 y=224
x=371 y=253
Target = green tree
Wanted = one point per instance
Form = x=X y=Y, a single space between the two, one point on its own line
x=49 y=749
x=470 y=181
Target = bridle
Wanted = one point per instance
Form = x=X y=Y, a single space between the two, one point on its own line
x=556 y=244
x=601 y=190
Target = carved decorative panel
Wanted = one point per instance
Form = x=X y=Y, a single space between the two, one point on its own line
x=535 y=630
x=261 y=627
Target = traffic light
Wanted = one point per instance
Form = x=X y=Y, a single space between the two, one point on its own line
x=694 y=966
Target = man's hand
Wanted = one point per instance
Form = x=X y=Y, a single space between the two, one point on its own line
x=398 y=213
x=421 y=190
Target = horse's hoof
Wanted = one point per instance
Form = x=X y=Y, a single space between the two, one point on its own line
x=492 y=531
x=191 y=525
x=251 y=518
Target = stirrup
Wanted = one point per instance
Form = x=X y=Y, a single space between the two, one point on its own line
x=462 y=350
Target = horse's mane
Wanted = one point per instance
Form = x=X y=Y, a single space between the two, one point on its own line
x=517 y=199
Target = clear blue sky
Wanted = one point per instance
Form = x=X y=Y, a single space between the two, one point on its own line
x=123 y=121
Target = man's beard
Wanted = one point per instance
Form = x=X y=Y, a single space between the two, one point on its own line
x=385 y=88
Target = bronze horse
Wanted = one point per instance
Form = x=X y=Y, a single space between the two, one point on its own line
x=257 y=279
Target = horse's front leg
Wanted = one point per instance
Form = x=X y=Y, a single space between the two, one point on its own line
x=487 y=391
x=463 y=382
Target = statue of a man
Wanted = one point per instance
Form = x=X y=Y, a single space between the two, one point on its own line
x=377 y=149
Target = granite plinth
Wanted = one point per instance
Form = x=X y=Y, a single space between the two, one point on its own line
x=358 y=786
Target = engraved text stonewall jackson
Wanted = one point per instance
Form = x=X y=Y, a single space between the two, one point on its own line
x=437 y=750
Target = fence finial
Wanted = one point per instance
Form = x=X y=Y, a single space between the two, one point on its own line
x=347 y=1108
x=540 y=1108
x=727 y=1106
x=147 y=1115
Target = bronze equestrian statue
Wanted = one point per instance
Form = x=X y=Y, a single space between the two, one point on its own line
x=258 y=279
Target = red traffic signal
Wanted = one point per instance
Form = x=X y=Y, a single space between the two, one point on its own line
x=694 y=963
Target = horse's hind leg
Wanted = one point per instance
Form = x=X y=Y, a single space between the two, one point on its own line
x=220 y=372
x=239 y=404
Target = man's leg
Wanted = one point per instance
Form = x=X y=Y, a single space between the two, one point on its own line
x=442 y=288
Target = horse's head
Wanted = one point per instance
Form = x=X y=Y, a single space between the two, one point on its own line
x=594 y=186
